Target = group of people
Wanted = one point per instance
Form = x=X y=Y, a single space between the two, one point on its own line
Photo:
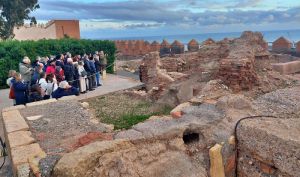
x=56 y=77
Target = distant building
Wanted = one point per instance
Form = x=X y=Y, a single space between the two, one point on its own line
x=165 y=48
x=55 y=29
x=193 y=46
x=208 y=41
x=281 y=45
x=177 y=47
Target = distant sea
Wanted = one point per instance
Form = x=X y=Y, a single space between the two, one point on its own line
x=270 y=36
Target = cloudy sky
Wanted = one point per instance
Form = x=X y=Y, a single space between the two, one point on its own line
x=130 y=18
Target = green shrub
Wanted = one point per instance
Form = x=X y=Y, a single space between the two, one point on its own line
x=12 y=52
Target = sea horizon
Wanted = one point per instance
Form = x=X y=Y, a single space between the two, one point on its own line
x=269 y=36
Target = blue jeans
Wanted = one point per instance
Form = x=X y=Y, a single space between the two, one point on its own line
x=98 y=78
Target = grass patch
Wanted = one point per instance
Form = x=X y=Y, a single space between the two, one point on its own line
x=124 y=111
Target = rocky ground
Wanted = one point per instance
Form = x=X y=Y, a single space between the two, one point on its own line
x=60 y=124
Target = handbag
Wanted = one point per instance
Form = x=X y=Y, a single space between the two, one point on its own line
x=83 y=73
x=12 y=93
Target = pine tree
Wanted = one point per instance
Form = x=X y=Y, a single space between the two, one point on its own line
x=13 y=13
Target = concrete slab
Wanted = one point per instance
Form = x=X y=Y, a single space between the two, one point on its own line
x=41 y=102
x=20 y=138
x=66 y=98
x=13 y=121
x=287 y=68
x=111 y=84
x=11 y=108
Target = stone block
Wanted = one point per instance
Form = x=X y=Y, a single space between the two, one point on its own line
x=287 y=68
x=268 y=146
x=13 y=108
x=13 y=121
x=20 y=155
x=20 y=138
x=41 y=102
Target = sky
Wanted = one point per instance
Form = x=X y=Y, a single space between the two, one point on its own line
x=135 y=18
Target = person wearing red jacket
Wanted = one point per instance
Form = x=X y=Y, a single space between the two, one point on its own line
x=51 y=67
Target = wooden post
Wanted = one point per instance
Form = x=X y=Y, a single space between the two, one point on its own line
x=104 y=74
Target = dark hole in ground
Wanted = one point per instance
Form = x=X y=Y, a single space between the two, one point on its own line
x=190 y=137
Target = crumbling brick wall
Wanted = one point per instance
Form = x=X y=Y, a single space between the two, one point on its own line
x=239 y=75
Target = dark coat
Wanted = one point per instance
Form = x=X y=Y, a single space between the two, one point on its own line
x=87 y=66
x=20 y=90
x=97 y=65
x=76 y=78
x=35 y=77
x=92 y=66
x=60 y=63
x=60 y=92
x=69 y=71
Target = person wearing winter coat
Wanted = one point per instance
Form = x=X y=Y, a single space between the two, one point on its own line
x=60 y=61
x=26 y=70
x=20 y=90
x=98 y=70
x=51 y=67
x=36 y=93
x=88 y=69
x=103 y=60
x=36 y=74
x=93 y=72
x=76 y=76
x=59 y=74
x=65 y=89
x=69 y=71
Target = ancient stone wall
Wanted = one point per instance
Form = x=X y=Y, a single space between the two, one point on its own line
x=55 y=29
x=298 y=48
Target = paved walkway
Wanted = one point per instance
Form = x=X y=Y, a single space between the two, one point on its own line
x=112 y=83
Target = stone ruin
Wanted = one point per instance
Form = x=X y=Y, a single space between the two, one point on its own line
x=242 y=64
x=212 y=89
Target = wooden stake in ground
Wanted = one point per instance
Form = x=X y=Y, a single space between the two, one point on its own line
x=216 y=161
x=104 y=74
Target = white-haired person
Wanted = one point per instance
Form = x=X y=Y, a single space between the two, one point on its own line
x=83 y=80
x=64 y=89
x=26 y=70
x=69 y=71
